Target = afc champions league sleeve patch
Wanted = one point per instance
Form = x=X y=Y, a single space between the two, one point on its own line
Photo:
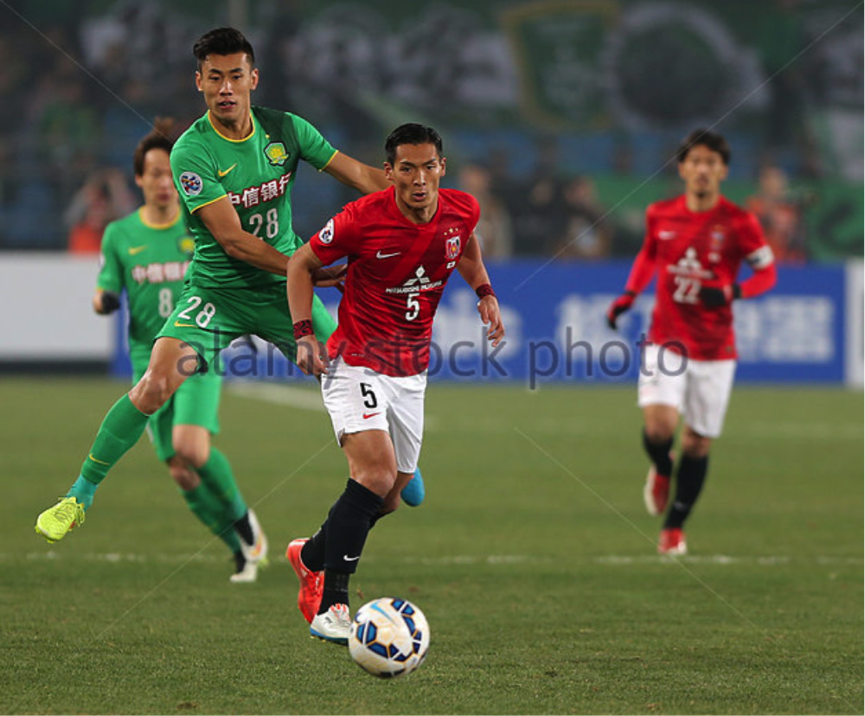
x=326 y=234
x=190 y=183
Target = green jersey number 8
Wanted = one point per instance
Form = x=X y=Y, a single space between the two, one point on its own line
x=166 y=302
x=269 y=221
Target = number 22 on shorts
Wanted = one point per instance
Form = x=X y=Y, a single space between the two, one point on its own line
x=203 y=317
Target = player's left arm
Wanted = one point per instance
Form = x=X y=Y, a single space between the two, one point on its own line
x=316 y=150
x=364 y=178
x=759 y=256
x=472 y=269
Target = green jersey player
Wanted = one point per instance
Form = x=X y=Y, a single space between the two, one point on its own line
x=146 y=255
x=233 y=169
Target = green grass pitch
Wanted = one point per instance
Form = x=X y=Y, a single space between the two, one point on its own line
x=532 y=558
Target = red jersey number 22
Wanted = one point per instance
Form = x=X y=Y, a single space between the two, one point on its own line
x=687 y=289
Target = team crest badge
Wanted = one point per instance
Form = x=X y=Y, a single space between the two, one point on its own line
x=186 y=244
x=190 y=182
x=718 y=236
x=326 y=234
x=452 y=248
x=276 y=154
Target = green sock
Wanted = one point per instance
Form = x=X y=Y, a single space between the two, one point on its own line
x=120 y=430
x=211 y=512
x=83 y=491
x=217 y=474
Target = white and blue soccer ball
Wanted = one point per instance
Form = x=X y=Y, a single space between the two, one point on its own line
x=389 y=637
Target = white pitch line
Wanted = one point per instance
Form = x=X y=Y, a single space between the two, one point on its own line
x=301 y=398
x=623 y=560
x=293 y=397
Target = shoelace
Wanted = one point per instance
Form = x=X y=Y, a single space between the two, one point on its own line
x=70 y=512
x=340 y=614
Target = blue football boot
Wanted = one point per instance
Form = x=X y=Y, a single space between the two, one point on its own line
x=413 y=493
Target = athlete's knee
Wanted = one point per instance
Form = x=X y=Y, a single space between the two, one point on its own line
x=193 y=452
x=152 y=391
x=376 y=478
x=695 y=445
x=659 y=431
x=186 y=478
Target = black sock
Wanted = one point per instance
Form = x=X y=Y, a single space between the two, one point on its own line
x=659 y=454
x=348 y=526
x=346 y=529
x=335 y=589
x=312 y=553
x=244 y=529
x=689 y=484
x=239 y=561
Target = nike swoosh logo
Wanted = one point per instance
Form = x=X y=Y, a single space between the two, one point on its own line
x=380 y=255
x=99 y=461
x=367 y=416
x=350 y=559
x=136 y=250
x=178 y=324
x=223 y=172
x=664 y=235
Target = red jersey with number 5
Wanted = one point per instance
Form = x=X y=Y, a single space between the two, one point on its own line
x=691 y=250
x=397 y=271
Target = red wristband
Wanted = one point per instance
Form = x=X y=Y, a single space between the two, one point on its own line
x=485 y=290
x=302 y=328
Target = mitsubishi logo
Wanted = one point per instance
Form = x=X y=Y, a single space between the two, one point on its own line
x=420 y=278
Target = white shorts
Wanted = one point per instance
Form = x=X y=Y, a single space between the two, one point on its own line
x=358 y=399
x=699 y=389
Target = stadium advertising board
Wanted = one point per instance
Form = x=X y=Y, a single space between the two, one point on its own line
x=800 y=332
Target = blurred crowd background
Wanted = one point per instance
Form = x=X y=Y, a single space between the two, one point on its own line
x=561 y=116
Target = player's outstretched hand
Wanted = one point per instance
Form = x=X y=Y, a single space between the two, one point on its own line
x=311 y=358
x=330 y=276
x=619 y=306
x=110 y=302
x=488 y=308
x=717 y=296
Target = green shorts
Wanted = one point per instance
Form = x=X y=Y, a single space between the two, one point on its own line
x=195 y=402
x=208 y=319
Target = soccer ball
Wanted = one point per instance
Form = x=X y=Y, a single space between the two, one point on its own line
x=389 y=637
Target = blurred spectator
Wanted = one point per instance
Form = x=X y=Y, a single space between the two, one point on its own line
x=586 y=236
x=103 y=198
x=540 y=218
x=494 y=227
x=68 y=127
x=779 y=215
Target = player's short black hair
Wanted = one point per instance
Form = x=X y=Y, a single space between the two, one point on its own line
x=160 y=137
x=222 y=41
x=707 y=138
x=411 y=134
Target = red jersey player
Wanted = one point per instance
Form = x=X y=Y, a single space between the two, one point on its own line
x=402 y=245
x=695 y=245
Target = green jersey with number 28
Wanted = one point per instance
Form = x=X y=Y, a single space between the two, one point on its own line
x=148 y=261
x=256 y=174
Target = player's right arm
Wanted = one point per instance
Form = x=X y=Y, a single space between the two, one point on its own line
x=109 y=283
x=301 y=267
x=641 y=274
x=197 y=183
x=223 y=222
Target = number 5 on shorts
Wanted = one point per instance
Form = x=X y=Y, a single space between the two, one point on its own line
x=369 y=399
